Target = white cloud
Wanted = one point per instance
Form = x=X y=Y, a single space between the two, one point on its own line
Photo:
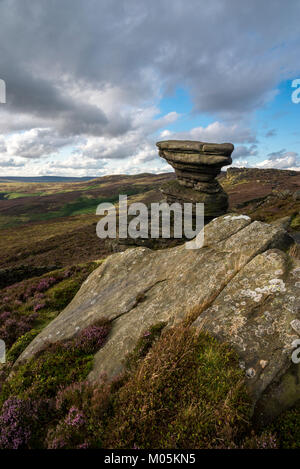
x=243 y=151
x=34 y=143
x=11 y=163
x=216 y=132
x=280 y=160
x=240 y=163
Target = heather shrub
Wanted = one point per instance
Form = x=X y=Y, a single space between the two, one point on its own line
x=14 y=325
x=56 y=365
x=84 y=410
x=265 y=440
x=33 y=303
x=188 y=392
x=40 y=398
x=92 y=338
x=70 y=432
x=22 y=423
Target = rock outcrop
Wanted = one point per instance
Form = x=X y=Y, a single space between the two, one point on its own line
x=241 y=287
x=196 y=166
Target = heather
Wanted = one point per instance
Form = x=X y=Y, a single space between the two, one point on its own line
x=28 y=399
x=182 y=389
x=21 y=422
x=58 y=364
x=84 y=412
x=32 y=303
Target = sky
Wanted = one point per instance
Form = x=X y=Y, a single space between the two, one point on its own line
x=91 y=85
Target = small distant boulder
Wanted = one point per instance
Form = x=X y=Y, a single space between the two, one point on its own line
x=282 y=194
x=296 y=195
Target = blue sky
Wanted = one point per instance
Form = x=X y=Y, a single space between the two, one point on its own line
x=92 y=86
x=275 y=124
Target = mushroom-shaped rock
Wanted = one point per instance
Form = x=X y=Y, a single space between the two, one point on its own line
x=196 y=165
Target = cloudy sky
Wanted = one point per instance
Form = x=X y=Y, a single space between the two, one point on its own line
x=91 y=85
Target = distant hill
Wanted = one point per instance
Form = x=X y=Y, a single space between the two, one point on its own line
x=45 y=179
x=53 y=223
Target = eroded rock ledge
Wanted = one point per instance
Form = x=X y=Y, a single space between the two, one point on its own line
x=241 y=286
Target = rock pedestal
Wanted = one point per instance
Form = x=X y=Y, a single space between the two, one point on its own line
x=196 y=166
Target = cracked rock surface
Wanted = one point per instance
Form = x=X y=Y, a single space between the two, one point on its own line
x=240 y=285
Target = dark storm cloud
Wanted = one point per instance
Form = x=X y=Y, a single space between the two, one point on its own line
x=229 y=54
x=40 y=98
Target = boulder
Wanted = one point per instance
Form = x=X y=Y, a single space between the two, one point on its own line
x=240 y=286
x=296 y=195
x=284 y=222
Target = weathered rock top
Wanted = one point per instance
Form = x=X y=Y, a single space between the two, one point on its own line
x=195 y=153
x=194 y=146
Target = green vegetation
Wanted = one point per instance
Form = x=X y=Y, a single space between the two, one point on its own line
x=182 y=389
x=33 y=303
x=81 y=205
x=57 y=364
x=18 y=195
x=143 y=345
x=295 y=224
x=188 y=393
x=287 y=429
x=20 y=345
x=28 y=398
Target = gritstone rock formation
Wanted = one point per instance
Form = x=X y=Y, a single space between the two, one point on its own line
x=196 y=165
x=241 y=287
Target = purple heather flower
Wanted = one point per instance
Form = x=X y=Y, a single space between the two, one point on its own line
x=75 y=417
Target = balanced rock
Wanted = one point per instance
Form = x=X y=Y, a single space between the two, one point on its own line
x=196 y=165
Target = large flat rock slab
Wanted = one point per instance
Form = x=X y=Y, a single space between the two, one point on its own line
x=169 y=282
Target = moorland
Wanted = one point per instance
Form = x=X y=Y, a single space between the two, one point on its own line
x=49 y=247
